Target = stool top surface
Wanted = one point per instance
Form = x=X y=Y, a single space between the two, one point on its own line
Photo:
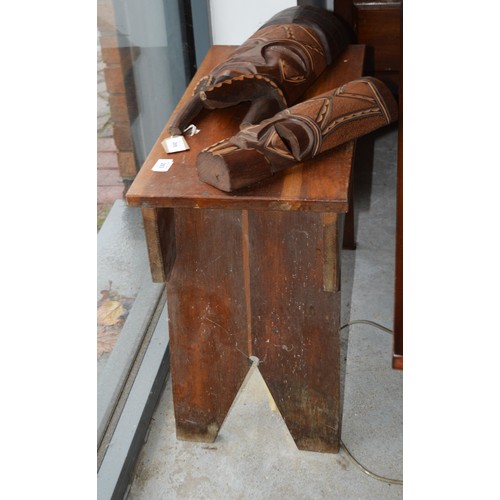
x=320 y=184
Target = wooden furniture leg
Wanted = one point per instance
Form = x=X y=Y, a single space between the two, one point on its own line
x=160 y=237
x=295 y=318
x=257 y=283
x=207 y=317
x=349 y=229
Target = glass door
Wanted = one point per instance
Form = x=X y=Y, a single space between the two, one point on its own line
x=147 y=54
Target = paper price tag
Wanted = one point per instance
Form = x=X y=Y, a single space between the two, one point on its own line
x=191 y=130
x=162 y=165
x=174 y=144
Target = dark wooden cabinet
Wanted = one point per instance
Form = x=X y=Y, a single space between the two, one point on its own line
x=378 y=25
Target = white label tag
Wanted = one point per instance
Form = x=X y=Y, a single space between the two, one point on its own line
x=174 y=144
x=162 y=165
x=191 y=130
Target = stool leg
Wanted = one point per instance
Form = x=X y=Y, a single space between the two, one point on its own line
x=363 y=165
x=206 y=305
x=295 y=321
x=262 y=284
x=349 y=241
x=349 y=231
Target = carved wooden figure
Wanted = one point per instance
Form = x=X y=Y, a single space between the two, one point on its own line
x=297 y=134
x=273 y=68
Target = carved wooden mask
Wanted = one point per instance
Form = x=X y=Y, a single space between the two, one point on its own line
x=298 y=134
x=273 y=68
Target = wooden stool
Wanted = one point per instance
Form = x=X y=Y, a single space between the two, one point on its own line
x=256 y=273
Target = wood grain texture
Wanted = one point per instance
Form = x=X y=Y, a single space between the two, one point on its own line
x=298 y=134
x=254 y=274
x=271 y=291
x=378 y=25
x=331 y=252
x=159 y=229
x=207 y=320
x=273 y=68
x=349 y=232
x=295 y=322
x=397 y=359
x=324 y=180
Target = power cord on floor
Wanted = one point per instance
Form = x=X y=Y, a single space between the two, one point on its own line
x=343 y=446
x=366 y=471
x=367 y=322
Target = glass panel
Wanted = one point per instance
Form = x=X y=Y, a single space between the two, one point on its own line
x=146 y=69
x=145 y=59
x=143 y=69
x=157 y=75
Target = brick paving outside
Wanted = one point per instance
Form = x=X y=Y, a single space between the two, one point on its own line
x=110 y=186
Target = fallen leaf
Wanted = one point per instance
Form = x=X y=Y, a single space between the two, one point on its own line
x=106 y=339
x=109 y=312
x=112 y=311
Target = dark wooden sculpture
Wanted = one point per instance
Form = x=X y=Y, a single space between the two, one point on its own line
x=273 y=68
x=297 y=134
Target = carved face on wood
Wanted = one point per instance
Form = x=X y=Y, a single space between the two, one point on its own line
x=289 y=55
x=282 y=139
x=292 y=135
x=273 y=68
x=299 y=133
